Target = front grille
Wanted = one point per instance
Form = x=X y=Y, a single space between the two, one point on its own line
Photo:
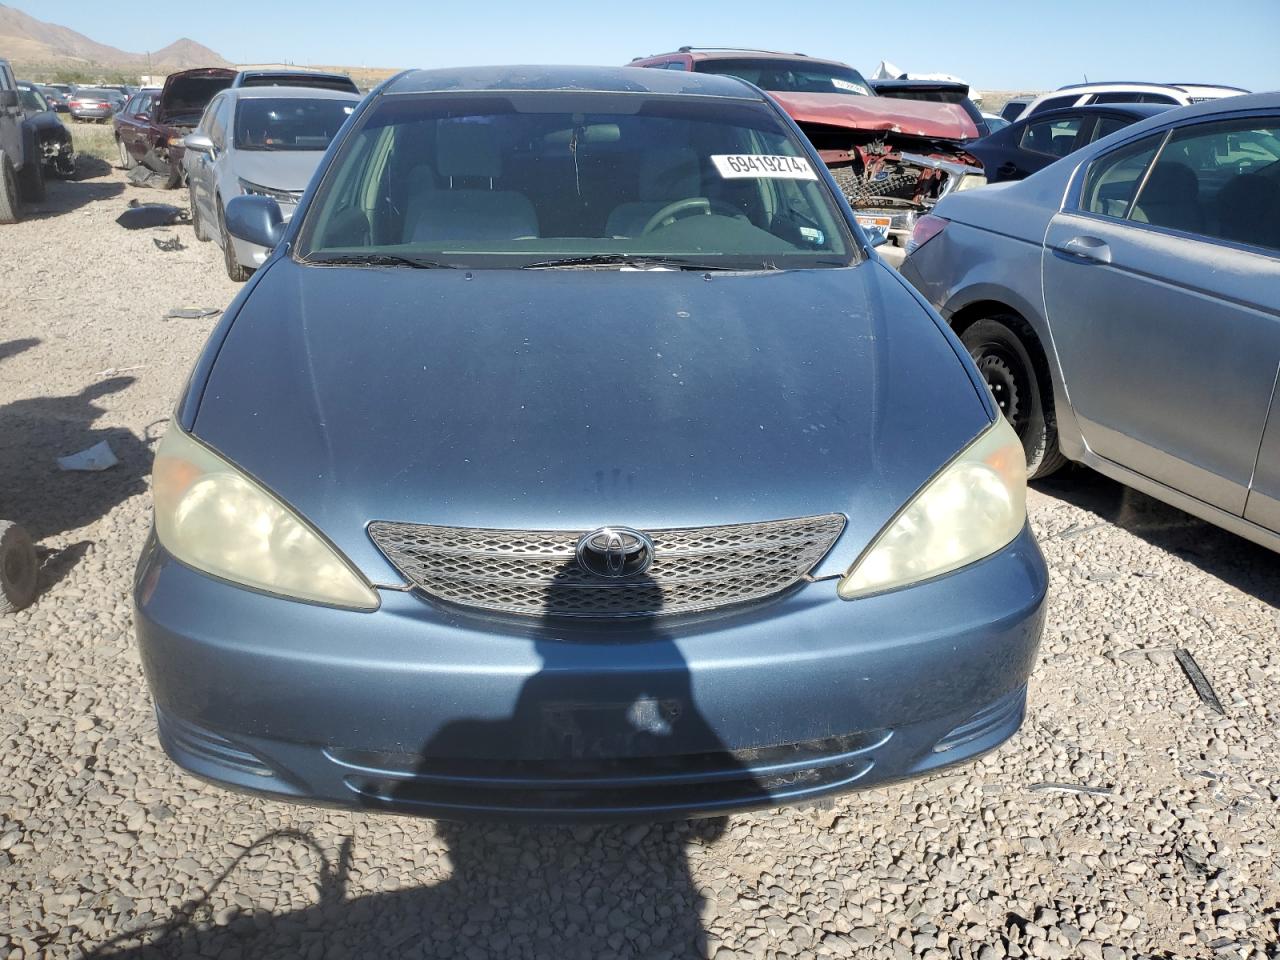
x=861 y=191
x=533 y=572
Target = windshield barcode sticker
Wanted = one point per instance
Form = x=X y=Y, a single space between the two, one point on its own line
x=734 y=166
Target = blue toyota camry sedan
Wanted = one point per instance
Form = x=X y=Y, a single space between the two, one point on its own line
x=573 y=457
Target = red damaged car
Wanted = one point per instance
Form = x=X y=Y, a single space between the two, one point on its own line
x=150 y=128
x=893 y=158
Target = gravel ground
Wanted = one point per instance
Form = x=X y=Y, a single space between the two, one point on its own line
x=106 y=850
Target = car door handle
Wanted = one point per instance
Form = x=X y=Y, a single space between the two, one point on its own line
x=1088 y=248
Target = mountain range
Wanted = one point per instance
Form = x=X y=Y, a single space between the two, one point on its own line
x=29 y=41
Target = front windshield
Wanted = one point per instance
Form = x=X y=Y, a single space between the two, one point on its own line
x=509 y=180
x=791 y=76
x=31 y=99
x=289 y=123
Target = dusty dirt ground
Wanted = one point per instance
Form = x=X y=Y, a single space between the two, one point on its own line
x=107 y=850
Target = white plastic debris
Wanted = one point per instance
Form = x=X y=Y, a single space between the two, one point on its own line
x=98 y=457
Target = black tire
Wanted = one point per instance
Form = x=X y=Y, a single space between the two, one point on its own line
x=235 y=271
x=31 y=182
x=1008 y=356
x=10 y=211
x=19 y=568
x=196 y=223
x=127 y=161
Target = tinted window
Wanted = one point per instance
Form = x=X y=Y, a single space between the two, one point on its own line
x=1054 y=103
x=790 y=76
x=309 y=80
x=1054 y=137
x=1122 y=96
x=31 y=99
x=289 y=124
x=502 y=181
x=1220 y=180
x=1107 y=126
x=1114 y=177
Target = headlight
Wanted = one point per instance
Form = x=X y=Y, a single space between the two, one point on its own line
x=212 y=517
x=975 y=506
x=971 y=181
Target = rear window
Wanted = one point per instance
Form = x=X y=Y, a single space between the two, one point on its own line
x=790 y=76
x=308 y=80
x=289 y=123
x=497 y=181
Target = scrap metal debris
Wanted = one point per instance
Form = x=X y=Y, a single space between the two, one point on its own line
x=141 y=216
x=192 y=313
x=141 y=176
x=172 y=245
x=1050 y=787
x=98 y=457
x=1199 y=682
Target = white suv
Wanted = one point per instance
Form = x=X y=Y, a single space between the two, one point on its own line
x=1080 y=94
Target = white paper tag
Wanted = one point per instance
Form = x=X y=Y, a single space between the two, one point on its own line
x=738 y=166
x=841 y=84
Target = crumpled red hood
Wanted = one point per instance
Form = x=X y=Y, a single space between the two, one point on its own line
x=915 y=118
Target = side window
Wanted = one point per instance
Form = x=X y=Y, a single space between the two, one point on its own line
x=676 y=65
x=1114 y=177
x=1054 y=137
x=1054 y=103
x=1107 y=126
x=1218 y=180
x=212 y=123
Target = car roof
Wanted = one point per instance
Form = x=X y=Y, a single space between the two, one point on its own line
x=280 y=72
x=525 y=78
x=742 y=53
x=1146 y=85
x=1139 y=110
x=290 y=93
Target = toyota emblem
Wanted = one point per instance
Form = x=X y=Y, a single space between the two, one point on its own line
x=614 y=553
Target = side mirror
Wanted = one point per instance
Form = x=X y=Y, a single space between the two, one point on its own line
x=8 y=98
x=198 y=142
x=256 y=220
x=878 y=236
x=143 y=116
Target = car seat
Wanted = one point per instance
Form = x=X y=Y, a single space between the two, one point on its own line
x=665 y=176
x=465 y=206
x=1249 y=211
x=1170 y=198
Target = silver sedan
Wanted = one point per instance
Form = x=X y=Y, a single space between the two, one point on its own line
x=266 y=141
x=1123 y=305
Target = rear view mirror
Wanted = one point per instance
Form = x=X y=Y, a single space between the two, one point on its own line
x=143 y=116
x=198 y=142
x=8 y=98
x=255 y=219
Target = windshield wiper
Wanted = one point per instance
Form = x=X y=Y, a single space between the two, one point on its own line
x=626 y=260
x=378 y=260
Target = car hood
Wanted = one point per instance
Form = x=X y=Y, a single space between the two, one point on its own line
x=572 y=399
x=281 y=169
x=915 y=118
x=185 y=94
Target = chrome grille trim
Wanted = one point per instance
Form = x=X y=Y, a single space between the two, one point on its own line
x=533 y=572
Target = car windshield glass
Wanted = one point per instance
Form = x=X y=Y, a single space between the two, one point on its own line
x=512 y=180
x=31 y=99
x=791 y=76
x=289 y=124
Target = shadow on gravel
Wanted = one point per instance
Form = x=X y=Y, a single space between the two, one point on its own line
x=1235 y=560
x=11 y=348
x=35 y=432
x=63 y=196
x=555 y=892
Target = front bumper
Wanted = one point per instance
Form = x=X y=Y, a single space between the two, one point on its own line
x=418 y=708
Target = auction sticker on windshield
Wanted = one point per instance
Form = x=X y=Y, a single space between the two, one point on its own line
x=734 y=166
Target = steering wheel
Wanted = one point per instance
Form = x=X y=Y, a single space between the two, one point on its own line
x=687 y=207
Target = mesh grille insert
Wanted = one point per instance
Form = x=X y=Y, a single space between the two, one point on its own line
x=533 y=572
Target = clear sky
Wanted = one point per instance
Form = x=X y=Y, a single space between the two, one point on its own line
x=995 y=44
